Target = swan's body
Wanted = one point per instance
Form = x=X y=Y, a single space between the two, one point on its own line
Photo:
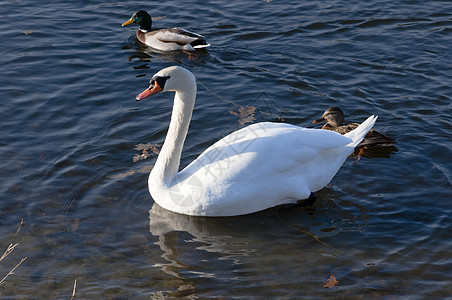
x=334 y=118
x=168 y=39
x=260 y=166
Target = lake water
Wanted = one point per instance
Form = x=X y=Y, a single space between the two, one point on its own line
x=70 y=127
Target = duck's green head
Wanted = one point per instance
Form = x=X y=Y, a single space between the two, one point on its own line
x=141 y=18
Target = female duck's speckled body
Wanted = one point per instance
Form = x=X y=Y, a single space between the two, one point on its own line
x=334 y=118
x=169 y=39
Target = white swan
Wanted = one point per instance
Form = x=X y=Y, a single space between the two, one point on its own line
x=257 y=167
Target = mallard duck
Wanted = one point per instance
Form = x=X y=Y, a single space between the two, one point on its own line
x=169 y=39
x=257 y=167
x=334 y=118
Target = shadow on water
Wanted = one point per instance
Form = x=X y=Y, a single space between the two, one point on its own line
x=376 y=151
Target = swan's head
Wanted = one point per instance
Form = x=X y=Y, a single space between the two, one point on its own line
x=333 y=115
x=169 y=79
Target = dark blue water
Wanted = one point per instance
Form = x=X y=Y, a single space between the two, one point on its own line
x=70 y=125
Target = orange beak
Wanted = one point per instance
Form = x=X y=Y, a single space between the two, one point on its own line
x=128 y=22
x=154 y=88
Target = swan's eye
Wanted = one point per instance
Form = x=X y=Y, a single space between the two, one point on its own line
x=152 y=84
x=161 y=81
x=158 y=81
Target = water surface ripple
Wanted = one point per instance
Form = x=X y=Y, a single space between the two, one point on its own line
x=70 y=126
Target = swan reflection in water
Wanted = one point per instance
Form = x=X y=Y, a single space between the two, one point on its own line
x=224 y=236
x=238 y=239
x=200 y=253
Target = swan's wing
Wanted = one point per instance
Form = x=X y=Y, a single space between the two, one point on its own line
x=318 y=139
x=267 y=143
x=263 y=165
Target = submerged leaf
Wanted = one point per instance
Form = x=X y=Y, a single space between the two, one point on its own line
x=147 y=146
x=233 y=113
x=122 y=175
x=247 y=110
x=331 y=282
x=245 y=114
x=142 y=156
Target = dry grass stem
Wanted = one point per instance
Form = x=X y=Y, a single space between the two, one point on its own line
x=158 y=18
x=9 y=250
x=73 y=291
x=12 y=271
x=20 y=226
x=12 y=246
x=314 y=237
x=216 y=95
x=311 y=235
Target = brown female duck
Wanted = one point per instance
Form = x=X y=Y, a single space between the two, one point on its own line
x=334 y=118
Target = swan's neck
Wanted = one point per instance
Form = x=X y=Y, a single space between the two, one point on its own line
x=168 y=161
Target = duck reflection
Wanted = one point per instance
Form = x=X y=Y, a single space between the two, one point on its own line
x=146 y=54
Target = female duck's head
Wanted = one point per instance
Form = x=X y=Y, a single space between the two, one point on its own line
x=141 y=18
x=333 y=115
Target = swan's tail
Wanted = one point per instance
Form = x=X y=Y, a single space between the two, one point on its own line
x=359 y=132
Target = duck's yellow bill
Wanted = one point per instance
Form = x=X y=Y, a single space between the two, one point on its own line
x=130 y=21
